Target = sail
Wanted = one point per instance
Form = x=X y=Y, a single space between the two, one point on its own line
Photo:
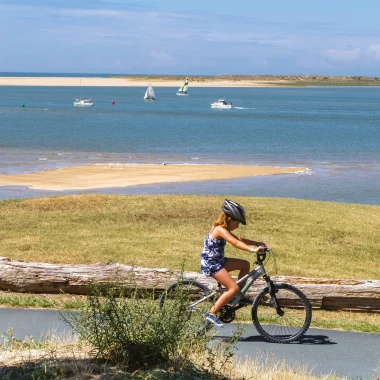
x=183 y=89
x=149 y=94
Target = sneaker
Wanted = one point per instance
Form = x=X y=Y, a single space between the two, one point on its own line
x=213 y=319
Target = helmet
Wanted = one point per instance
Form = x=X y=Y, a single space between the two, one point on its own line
x=234 y=211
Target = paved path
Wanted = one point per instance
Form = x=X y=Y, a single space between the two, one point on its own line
x=33 y=322
x=347 y=354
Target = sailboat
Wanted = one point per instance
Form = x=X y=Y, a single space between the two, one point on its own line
x=82 y=102
x=183 y=89
x=149 y=94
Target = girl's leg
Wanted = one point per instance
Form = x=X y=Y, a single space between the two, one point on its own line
x=238 y=264
x=226 y=280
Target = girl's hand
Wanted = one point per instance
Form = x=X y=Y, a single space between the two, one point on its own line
x=261 y=248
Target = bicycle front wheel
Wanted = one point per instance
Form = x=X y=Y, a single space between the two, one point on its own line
x=286 y=323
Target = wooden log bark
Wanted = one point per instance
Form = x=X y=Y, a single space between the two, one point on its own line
x=34 y=277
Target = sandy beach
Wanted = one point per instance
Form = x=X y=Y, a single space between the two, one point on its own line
x=125 y=175
x=129 y=82
x=194 y=81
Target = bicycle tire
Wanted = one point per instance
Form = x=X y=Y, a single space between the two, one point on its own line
x=191 y=289
x=289 y=327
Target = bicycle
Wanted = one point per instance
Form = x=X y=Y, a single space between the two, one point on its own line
x=281 y=313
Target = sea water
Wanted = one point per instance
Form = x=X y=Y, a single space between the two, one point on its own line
x=333 y=131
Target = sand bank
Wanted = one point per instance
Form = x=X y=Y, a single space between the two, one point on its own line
x=128 y=82
x=124 y=175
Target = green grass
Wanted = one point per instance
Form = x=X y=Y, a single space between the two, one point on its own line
x=316 y=239
x=336 y=320
x=41 y=301
x=310 y=238
x=341 y=320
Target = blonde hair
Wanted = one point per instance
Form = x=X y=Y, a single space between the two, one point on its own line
x=222 y=220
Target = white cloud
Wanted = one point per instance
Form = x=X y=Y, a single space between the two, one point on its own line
x=162 y=59
x=375 y=51
x=250 y=37
x=343 y=54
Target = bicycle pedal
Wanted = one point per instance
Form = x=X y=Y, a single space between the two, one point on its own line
x=234 y=302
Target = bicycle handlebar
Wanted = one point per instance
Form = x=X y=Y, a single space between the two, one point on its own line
x=261 y=256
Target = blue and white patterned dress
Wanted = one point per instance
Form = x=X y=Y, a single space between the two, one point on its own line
x=213 y=259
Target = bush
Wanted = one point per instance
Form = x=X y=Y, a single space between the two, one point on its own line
x=135 y=332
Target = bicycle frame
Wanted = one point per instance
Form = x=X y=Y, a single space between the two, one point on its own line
x=253 y=275
x=268 y=307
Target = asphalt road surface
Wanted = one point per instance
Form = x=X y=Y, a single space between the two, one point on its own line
x=347 y=354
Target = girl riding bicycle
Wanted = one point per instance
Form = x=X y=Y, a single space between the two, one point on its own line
x=215 y=265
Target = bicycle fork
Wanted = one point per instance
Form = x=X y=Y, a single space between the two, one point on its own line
x=273 y=291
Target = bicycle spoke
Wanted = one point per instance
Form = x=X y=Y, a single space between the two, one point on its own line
x=282 y=328
x=182 y=299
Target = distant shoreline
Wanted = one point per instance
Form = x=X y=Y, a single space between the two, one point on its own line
x=194 y=81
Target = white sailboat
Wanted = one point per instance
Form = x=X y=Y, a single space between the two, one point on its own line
x=82 y=102
x=183 y=89
x=149 y=94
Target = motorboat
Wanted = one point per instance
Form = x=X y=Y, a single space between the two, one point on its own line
x=221 y=103
x=83 y=103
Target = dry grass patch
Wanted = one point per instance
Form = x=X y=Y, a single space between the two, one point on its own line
x=310 y=238
x=67 y=359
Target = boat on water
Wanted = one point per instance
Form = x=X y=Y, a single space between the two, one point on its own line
x=221 y=103
x=82 y=102
x=183 y=89
x=149 y=93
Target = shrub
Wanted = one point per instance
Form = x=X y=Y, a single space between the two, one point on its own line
x=135 y=332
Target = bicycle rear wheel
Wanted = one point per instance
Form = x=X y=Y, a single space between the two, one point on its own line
x=287 y=324
x=187 y=290
x=180 y=298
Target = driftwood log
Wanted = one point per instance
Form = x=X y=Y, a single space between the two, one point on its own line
x=34 y=277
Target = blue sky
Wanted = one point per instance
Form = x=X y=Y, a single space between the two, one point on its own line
x=191 y=37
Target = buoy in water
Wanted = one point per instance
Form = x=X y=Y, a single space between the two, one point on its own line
x=113 y=102
x=22 y=105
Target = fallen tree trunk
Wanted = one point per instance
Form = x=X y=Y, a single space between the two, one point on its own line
x=34 y=277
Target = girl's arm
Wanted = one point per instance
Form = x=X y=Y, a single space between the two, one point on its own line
x=250 y=242
x=220 y=232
